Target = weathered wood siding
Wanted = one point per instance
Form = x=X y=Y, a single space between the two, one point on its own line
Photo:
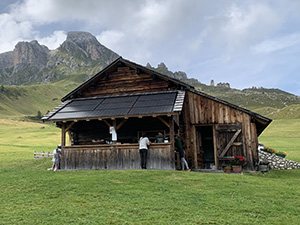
x=124 y=156
x=199 y=110
x=126 y=81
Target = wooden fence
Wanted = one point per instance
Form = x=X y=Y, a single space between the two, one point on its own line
x=40 y=155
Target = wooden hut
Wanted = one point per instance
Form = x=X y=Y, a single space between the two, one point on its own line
x=105 y=116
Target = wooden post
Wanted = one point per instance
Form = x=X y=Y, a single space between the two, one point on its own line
x=194 y=147
x=115 y=126
x=215 y=147
x=172 y=142
x=63 y=135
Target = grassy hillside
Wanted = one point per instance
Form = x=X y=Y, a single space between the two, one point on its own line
x=28 y=100
x=33 y=195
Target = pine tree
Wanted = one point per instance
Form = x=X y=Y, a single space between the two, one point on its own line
x=39 y=114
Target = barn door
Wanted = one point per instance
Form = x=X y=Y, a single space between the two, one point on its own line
x=229 y=140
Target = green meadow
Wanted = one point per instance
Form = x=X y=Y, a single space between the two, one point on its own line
x=30 y=194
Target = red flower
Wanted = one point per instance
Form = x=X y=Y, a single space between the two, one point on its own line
x=230 y=159
x=241 y=160
x=234 y=156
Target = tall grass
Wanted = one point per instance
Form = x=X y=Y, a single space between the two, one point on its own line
x=29 y=194
x=283 y=135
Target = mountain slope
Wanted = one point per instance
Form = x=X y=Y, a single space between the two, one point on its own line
x=81 y=56
x=251 y=98
x=32 y=63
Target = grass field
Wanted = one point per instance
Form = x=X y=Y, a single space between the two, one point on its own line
x=30 y=194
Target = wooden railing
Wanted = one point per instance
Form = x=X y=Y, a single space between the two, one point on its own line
x=116 y=156
x=40 y=155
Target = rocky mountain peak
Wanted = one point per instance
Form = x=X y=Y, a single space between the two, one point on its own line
x=32 y=63
x=80 y=37
x=30 y=53
x=87 y=43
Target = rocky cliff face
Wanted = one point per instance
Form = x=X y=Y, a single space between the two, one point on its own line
x=32 y=63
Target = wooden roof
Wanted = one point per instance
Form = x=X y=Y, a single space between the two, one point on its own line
x=123 y=62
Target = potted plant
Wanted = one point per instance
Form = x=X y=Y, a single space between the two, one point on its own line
x=281 y=154
x=269 y=150
x=227 y=169
x=237 y=162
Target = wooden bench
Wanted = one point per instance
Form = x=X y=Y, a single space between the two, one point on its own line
x=40 y=155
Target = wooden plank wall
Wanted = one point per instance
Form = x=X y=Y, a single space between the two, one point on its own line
x=199 y=110
x=126 y=81
x=116 y=157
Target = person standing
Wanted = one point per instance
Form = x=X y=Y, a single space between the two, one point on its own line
x=56 y=158
x=181 y=151
x=143 y=147
x=159 y=138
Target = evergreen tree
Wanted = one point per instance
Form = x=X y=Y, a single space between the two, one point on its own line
x=39 y=114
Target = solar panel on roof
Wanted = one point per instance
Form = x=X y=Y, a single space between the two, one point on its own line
x=78 y=108
x=86 y=102
x=115 y=105
x=149 y=110
x=121 y=99
x=110 y=112
x=153 y=103
x=164 y=96
x=118 y=106
x=70 y=115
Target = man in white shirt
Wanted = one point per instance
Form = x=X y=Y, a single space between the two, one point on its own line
x=143 y=146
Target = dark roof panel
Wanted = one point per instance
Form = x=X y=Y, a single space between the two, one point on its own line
x=135 y=104
x=151 y=109
x=70 y=115
x=110 y=112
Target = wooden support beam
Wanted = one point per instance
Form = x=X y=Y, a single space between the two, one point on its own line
x=69 y=127
x=172 y=140
x=121 y=124
x=63 y=135
x=194 y=146
x=107 y=123
x=165 y=122
x=215 y=147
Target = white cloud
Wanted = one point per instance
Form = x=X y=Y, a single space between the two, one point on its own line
x=238 y=27
x=53 y=41
x=203 y=38
x=276 y=44
x=12 y=31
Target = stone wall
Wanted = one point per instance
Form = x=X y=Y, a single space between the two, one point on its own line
x=277 y=162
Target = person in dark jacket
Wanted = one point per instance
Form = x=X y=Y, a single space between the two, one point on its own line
x=178 y=145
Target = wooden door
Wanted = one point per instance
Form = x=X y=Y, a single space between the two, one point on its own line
x=229 y=141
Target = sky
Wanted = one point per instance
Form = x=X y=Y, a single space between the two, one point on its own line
x=247 y=43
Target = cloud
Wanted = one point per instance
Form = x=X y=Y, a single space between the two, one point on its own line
x=240 y=26
x=12 y=31
x=53 y=41
x=277 y=44
x=222 y=39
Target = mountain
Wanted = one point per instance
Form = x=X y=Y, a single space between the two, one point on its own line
x=32 y=63
x=273 y=103
x=80 y=56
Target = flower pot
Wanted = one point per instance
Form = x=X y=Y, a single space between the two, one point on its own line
x=237 y=168
x=227 y=170
x=283 y=156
